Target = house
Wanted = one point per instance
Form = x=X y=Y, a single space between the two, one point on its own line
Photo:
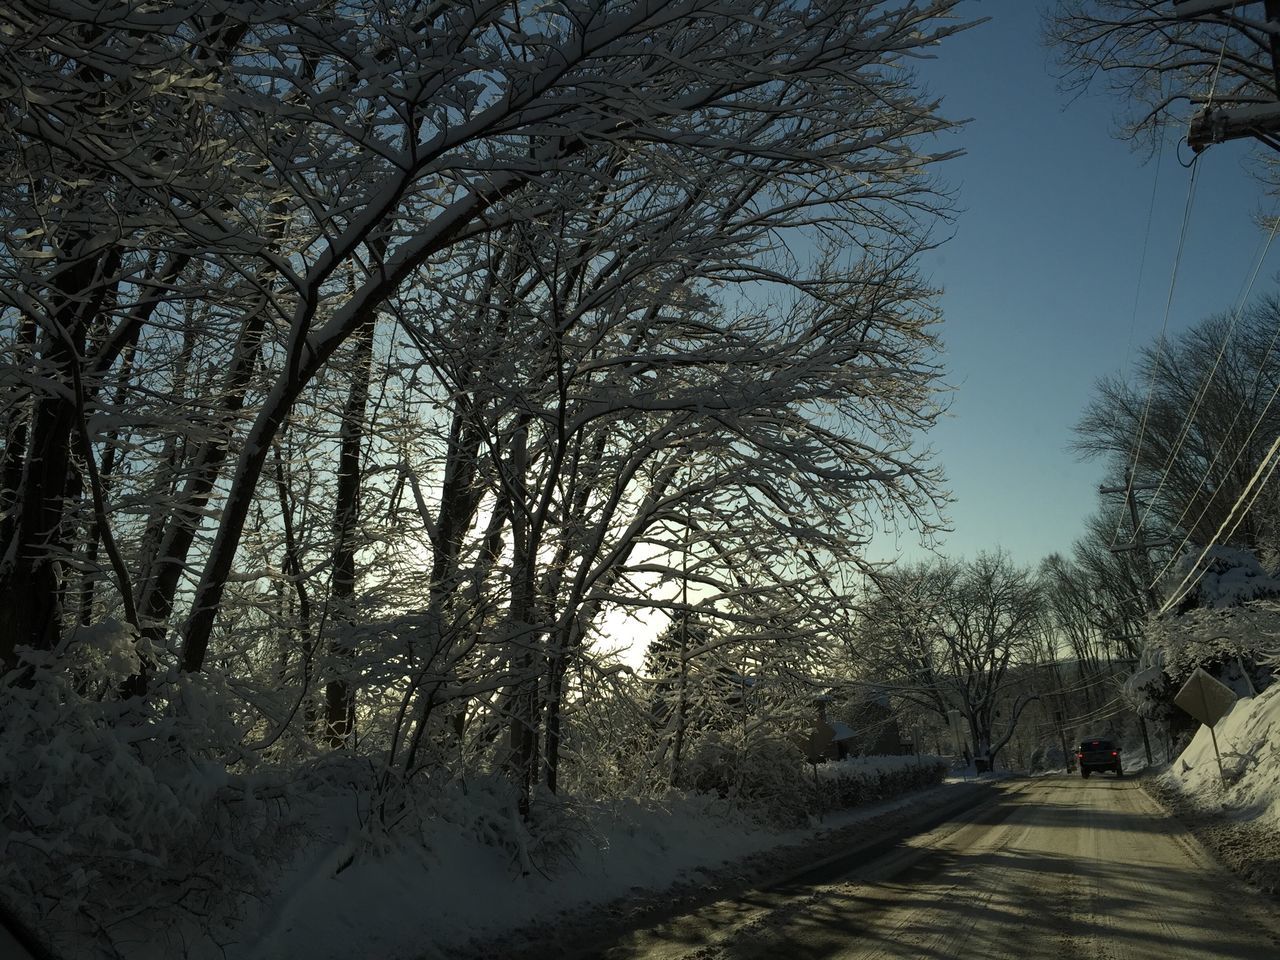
x=875 y=732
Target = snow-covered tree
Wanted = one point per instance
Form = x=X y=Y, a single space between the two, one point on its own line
x=305 y=165
x=357 y=358
x=1222 y=618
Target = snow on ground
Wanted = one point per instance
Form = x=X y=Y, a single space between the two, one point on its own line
x=405 y=903
x=1249 y=740
x=456 y=890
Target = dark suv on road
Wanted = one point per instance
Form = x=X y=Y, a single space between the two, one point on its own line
x=1098 y=755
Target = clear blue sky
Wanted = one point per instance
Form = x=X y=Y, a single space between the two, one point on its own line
x=1040 y=278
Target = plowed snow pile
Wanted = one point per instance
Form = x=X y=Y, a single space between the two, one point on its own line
x=1249 y=740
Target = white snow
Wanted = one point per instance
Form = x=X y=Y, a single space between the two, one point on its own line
x=1228 y=577
x=1249 y=740
x=842 y=731
x=413 y=903
x=456 y=888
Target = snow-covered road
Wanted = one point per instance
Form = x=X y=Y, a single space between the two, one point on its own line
x=1053 y=869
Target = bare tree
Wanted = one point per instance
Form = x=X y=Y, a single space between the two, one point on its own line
x=1161 y=66
x=945 y=636
x=1193 y=426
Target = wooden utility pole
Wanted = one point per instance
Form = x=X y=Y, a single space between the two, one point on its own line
x=1062 y=735
x=1142 y=545
x=1139 y=541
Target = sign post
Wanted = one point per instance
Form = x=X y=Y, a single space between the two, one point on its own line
x=1208 y=700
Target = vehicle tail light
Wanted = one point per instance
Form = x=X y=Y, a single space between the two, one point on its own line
x=1115 y=753
x=1079 y=756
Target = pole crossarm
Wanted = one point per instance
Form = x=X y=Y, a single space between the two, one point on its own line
x=1141 y=545
x=1185 y=9
x=1258 y=120
x=1219 y=124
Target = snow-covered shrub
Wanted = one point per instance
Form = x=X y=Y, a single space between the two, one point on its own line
x=768 y=779
x=1227 y=641
x=1224 y=577
x=753 y=771
x=862 y=780
x=478 y=809
x=112 y=809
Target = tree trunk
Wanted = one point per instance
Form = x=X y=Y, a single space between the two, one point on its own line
x=339 y=692
x=30 y=579
x=522 y=696
x=179 y=532
x=17 y=422
x=682 y=683
x=292 y=567
x=94 y=533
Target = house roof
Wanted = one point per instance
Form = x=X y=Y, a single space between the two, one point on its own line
x=841 y=731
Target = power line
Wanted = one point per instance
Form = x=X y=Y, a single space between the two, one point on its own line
x=1142 y=261
x=1203 y=392
x=1097 y=713
x=1268 y=463
x=1177 y=260
x=1262 y=416
x=1168 y=307
x=1222 y=50
x=1137 y=289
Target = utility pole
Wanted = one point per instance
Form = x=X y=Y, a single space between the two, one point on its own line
x=1142 y=545
x=1062 y=736
x=1261 y=121
x=1139 y=542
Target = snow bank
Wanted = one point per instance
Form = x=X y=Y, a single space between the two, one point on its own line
x=118 y=830
x=455 y=890
x=463 y=883
x=1249 y=740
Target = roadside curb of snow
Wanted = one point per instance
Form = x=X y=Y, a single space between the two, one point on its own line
x=1250 y=851
x=590 y=932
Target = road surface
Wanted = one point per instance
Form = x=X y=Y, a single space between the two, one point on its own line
x=1052 y=869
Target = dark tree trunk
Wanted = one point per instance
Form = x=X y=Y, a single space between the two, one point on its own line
x=292 y=567
x=93 y=536
x=179 y=530
x=339 y=693
x=33 y=550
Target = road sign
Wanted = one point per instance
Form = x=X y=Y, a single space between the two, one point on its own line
x=1206 y=699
